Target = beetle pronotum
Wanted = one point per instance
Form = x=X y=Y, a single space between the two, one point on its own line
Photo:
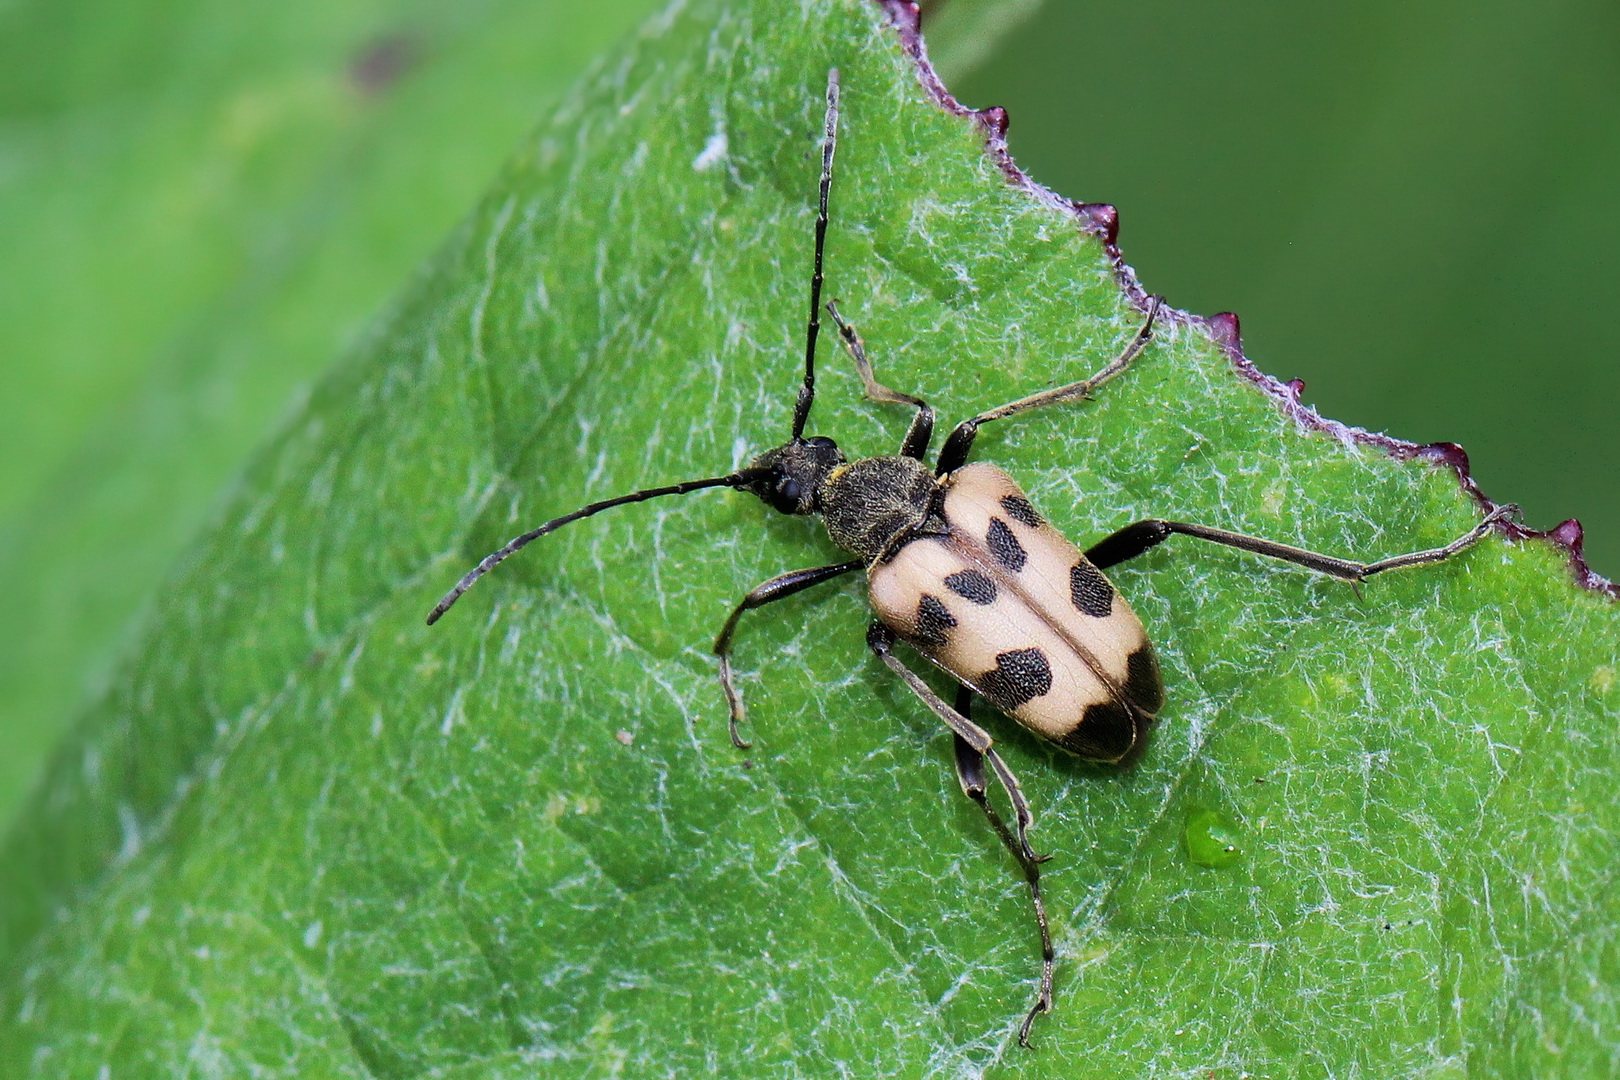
x=962 y=568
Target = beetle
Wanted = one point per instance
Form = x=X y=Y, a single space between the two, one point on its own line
x=963 y=569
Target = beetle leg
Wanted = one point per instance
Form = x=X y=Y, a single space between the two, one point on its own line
x=1133 y=540
x=970 y=773
x=960 y=440
x=974 y=748
x=775 y=589
x=921 y=432
x=881 y=641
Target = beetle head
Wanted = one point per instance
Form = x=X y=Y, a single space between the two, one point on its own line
x=797 y=471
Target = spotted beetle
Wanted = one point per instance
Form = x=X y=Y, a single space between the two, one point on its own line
x=962 y=568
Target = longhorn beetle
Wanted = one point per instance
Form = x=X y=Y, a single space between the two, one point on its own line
x=962 y=568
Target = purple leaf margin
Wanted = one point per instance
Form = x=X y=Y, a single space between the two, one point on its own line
x=1102 y=220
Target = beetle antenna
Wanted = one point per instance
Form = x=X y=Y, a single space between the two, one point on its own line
x=829 y=142
x=490 y=561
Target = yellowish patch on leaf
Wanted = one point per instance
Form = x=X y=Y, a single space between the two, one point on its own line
x=558 y=805
x=1272 y=500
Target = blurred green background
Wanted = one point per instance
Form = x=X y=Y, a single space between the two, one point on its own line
x=1411 y=206
x=202 y=203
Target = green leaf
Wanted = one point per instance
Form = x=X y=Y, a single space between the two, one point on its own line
x=1339 y=176
x=200 y=206
x=307 y=835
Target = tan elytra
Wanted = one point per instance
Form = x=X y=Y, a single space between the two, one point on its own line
x=1012 y=609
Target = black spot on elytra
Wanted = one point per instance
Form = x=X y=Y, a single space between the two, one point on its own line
x=1090 y=591
x=934 y=623
x=1142 y=683
x=972 y=585
x=1005 y=546
x=1106 y=732
x=1020 y=675
x=1019 y=509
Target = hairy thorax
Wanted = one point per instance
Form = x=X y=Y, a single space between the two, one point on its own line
x=868 y=504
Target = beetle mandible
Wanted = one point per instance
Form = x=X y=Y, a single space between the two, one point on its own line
x=962 y=568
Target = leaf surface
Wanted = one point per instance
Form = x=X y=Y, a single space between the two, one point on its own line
x=202 y=205
x=307 y=835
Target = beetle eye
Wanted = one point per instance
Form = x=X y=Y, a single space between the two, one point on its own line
x=789 y=490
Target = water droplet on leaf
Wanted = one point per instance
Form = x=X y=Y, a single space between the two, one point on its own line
x=1212 y=839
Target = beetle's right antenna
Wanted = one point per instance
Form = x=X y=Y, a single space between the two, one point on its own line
x=829 y=142
x=490 y=561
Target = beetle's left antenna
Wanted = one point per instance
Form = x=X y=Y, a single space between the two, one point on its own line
x=490 y=561
x=829 y=142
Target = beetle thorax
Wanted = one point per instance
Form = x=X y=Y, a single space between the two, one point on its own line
x=869 y=504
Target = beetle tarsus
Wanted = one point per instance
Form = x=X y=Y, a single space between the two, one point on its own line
x=735 y=710
x=1042 y=1006
x=960 y=441
x=778 y=588
x=921 y=432
x=972 y=749
x=1142 y=536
